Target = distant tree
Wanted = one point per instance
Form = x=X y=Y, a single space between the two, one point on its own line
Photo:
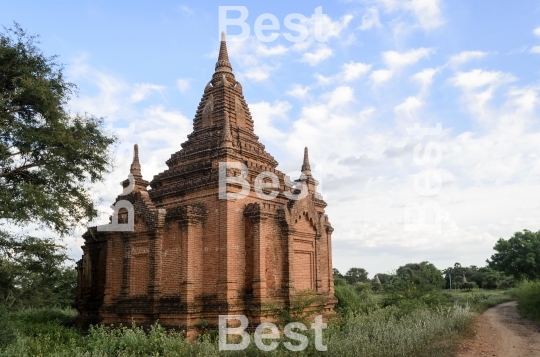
x=33 y=272
x=518 y=256
x=356 y=275
x=384 y=278
x=467 y=286
x=336 y=273
x=484 y=277
x=339 y=279
x=47 y=154
x=424 y=275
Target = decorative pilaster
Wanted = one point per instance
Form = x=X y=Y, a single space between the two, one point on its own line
x=126 y=265
x=192 y=259
x=329 y=231
x=258 y=215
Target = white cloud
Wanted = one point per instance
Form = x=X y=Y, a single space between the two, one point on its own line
x=370 y=19
x=298 y=91
x=255 y=74
x=398 y=60
x=110 y=88
x=478 y=88
x=537 y=31
x=381 y=75
x=340 y=96
x=349 y=72
x=478 y=78
x=409 y=108
x=425 y=77
x=427 y=12
x=182 y=84
x=354 y=70
x=466 y=56
x=313 y=58
x=535 y=49
x=142 y=90
x=265 y=116
x=329 y=28
x=271 y=51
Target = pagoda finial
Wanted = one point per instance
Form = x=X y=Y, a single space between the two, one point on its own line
x=227 y=137
x=135 y=168
x=306 y=169
x=223 y=64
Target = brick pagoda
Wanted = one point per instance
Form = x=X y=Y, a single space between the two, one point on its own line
x=193 y=255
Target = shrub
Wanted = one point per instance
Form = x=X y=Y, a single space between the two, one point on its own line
x=507 y=283
x=468 y=286
x=6 y=331
x=352 y=302
x=340 y=281
x=362 y=287
x=527 y=294
x=304 y=305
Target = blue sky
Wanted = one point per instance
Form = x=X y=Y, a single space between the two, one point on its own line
x=471 y=66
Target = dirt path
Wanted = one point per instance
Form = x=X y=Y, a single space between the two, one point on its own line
x=501 y=332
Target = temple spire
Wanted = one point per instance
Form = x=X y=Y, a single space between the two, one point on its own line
x=223 y=64
x=135 y=168
x=306 y=169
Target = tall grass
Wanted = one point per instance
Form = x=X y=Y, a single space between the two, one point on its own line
x=527 y=294
x=479 y=300
x=368 y=331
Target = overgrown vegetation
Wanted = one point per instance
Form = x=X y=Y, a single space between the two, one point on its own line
x=527 y=294
x=407 y=318
x=375 y=331
x=35 y=273
x=518 y=256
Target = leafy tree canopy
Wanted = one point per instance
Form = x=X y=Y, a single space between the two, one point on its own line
x=424 y=275
x=33 y=273
x=47 y=154
x=484 y=277
x=518 y=256
x=384 y=278
x=336 y=273
x=356 y=275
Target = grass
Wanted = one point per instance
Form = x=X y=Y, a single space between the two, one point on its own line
x=384 y=332
x=527 y=295
x=431 y=326
x=480 y=300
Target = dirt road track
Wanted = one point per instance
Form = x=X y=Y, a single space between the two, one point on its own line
x=501 y=332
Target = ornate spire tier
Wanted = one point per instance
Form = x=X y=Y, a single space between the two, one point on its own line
x=306 y=168
x=222 y=120
x=135 y=170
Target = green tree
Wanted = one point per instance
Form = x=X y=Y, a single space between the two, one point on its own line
x=468 y=286
x=339 y=279
x=356 y=275
x=33 y=272
x=425 y=276
x=518 y=256
x=48 y=156
x=384 y=278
